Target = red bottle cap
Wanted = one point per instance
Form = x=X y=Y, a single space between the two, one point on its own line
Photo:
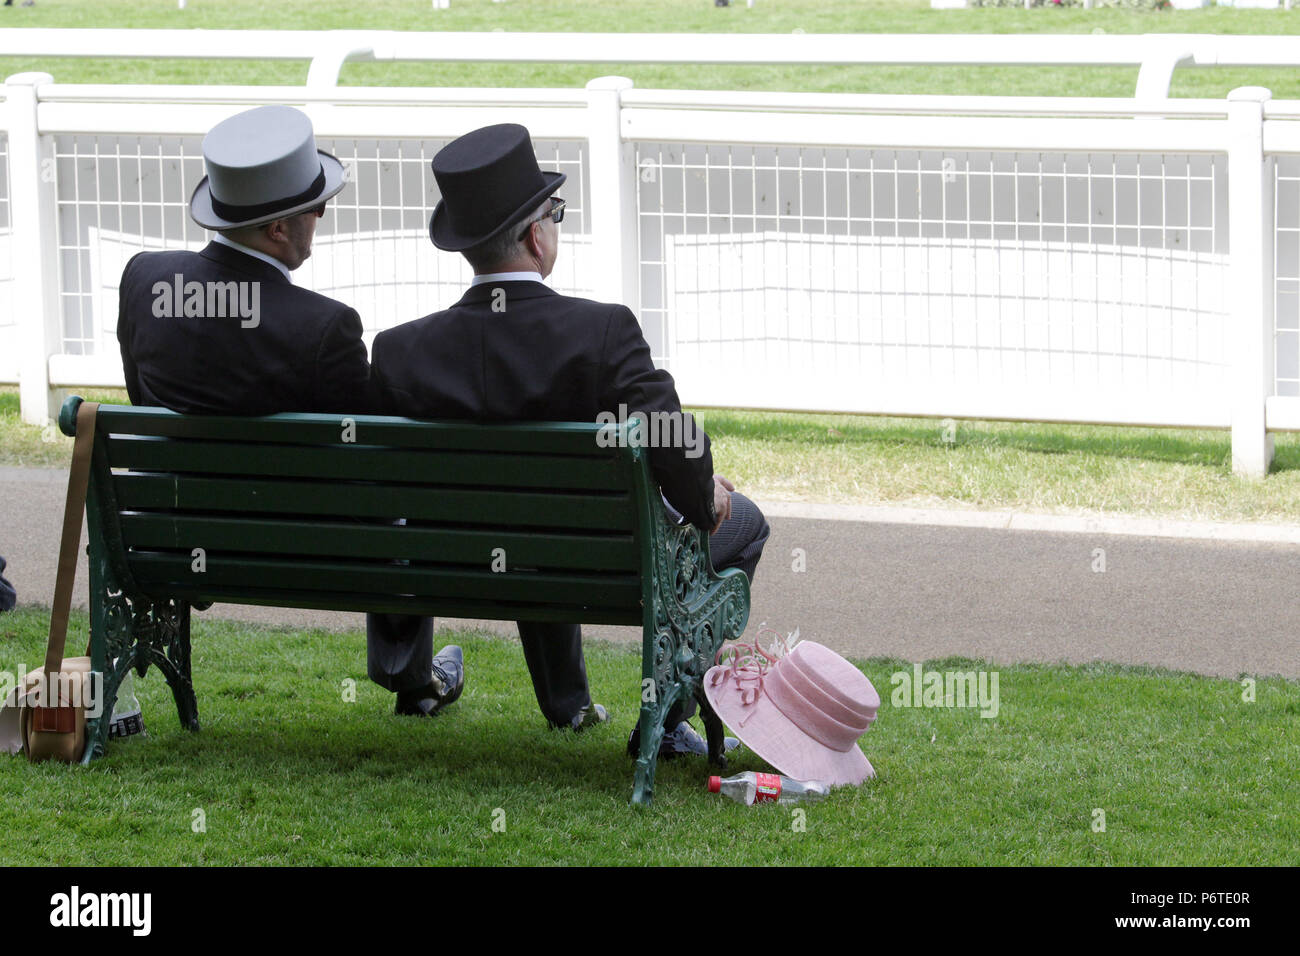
x=715 y=785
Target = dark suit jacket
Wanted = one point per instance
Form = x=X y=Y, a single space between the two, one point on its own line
x=304 y=355
x=546 y=357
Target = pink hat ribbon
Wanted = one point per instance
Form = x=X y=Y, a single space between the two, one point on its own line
x=746 y=665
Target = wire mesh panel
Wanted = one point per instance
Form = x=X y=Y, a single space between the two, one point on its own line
x=119 y=195
x=808 y=277
x=1286 y=271
x=8 y=321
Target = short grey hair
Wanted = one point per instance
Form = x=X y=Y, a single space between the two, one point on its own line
x=504 y=246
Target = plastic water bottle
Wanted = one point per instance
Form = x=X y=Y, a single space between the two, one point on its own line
x=749 y=788
x=127 y=718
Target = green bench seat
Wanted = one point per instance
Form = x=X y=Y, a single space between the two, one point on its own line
x=302 y=510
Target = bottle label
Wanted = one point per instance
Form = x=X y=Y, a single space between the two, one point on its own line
x=126 y=725
x=767 y=787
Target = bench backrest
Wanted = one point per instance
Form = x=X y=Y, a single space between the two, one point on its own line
x=538 y=521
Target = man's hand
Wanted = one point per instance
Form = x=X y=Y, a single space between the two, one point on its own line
x=722 y=490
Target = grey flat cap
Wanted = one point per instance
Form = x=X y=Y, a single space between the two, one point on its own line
x=262 y=165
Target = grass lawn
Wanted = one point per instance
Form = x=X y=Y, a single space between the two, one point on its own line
x=287 y=772
x=658 y=16
x=31 y=446
x=854 y=459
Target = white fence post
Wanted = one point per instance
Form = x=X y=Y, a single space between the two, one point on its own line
x=325 y=65
x=32 y=203
x=1157 y=70
x=612 y=167
x=1250 y=279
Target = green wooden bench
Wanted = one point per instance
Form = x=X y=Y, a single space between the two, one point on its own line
x=298 y=510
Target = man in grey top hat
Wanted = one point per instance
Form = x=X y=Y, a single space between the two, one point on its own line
x=224 y=331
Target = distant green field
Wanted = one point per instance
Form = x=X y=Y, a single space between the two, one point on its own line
x=656 y=16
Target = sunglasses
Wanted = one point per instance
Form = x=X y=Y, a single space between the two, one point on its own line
x=555 y=214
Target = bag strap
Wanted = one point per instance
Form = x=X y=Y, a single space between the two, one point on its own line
x=73 y=508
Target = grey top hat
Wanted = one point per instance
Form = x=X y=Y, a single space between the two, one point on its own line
x=262 y=165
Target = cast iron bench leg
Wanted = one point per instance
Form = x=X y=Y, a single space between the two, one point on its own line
x=713 y=730
x=137 y=634
x=170 y=652
x=652 y=735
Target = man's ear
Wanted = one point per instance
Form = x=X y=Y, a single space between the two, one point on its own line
x=532 y=243
x=277 y=230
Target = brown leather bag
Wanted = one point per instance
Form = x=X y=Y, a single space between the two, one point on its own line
x=53 y=701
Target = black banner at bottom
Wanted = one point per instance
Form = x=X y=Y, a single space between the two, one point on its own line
x=221 y=905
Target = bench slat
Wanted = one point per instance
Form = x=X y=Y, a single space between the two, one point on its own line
x=574 y=438
x=159 y=571
x=428 y=468
x=352 y=540
x=397 y=604
x=612 y=512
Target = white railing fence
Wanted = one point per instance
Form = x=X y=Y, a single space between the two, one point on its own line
x=1113 y=261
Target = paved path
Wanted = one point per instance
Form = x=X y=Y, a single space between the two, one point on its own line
x=905 y=587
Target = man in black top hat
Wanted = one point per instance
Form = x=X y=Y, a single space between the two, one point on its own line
x=225 y=331
x=513 y=349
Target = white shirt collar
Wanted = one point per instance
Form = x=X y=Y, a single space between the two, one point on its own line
x=506 y=277
x=270 y=260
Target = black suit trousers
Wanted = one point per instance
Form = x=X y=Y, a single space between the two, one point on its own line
x=400 y=646
x=554 y=651
x=399 y=650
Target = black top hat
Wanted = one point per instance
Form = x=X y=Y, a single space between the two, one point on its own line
x=489 y=179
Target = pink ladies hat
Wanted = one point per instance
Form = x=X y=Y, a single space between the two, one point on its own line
x=803 y=713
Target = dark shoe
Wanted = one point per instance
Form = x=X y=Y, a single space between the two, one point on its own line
x=589 y=716
x=445 y=687
x=8 y=599
x=682 y=740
